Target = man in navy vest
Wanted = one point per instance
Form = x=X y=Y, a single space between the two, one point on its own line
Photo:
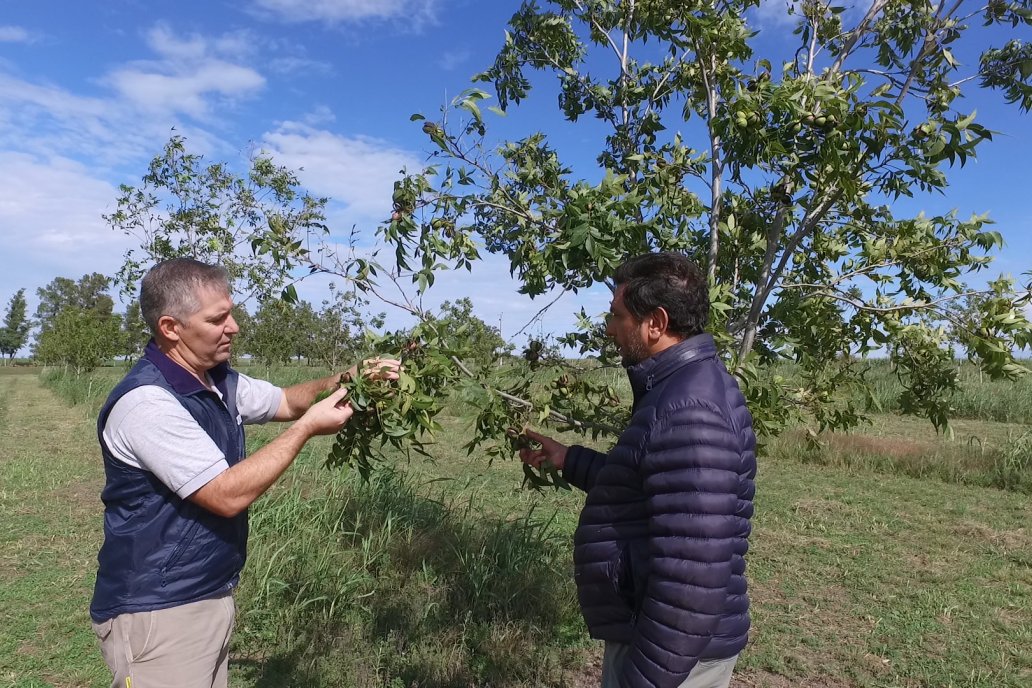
x=659 y=551
x=178 y=483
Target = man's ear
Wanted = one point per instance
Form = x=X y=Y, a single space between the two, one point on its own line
x=658 y=321
x=168 y=328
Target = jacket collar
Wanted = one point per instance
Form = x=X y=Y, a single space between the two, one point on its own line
x=178 y=377
x=649 y=372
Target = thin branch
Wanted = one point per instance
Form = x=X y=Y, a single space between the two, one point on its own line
x=856 y=34
x=554 y=415
x=821 y=290
x=612 y=43
x=540 y=313
x=926 y=47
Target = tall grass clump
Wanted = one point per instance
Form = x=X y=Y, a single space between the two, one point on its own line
x=977 y=397
x=1012 y=466
x=386 y=583
x=85 y=389
x=1006 y=467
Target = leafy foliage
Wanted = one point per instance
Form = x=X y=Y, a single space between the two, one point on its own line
x=79 y=338
x=280 y=331
x=77 y=327
x=397 y=413
x=88 y=294
x=135 y=332
x=258 y=226
x=778 y=173
x=481 y=344
x=339 y=327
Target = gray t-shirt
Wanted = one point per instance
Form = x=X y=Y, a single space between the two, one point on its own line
x=149 y=429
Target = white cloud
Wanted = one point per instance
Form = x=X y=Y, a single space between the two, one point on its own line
x=17 y=34
x=452 y=59
x=50 y=209
x=48 y=120
x=188 y=92
x=357 y=171
x=416 y=13
x=300 y=65
x=194 y=72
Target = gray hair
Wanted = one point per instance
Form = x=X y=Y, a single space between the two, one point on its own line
x=171 y=287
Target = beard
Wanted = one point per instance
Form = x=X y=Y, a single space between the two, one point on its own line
x=633 y=353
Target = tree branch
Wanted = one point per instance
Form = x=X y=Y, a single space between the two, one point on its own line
x=554 y=415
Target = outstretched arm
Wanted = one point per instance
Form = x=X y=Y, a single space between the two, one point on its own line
x=236 y=488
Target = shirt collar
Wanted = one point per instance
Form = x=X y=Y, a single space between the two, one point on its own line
x=181 y=380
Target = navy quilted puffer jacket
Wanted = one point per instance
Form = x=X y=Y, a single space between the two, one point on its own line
x=659 y=552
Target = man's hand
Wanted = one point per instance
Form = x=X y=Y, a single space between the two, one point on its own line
x=327 y=416
x=551 y=451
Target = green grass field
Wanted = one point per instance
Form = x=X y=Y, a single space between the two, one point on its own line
x=872 y=564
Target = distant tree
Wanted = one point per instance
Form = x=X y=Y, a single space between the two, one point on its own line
x=257 y=226
x=483 y=344
x=245 y=321
x=338 y=328
x=80 y=339
x=15 y=330
x=88 y=294
x=135 y=332
x=280 y=331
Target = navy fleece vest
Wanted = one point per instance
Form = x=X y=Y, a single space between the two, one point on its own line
x=160 y=550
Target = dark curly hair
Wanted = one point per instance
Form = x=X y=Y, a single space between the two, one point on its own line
x=667 y=280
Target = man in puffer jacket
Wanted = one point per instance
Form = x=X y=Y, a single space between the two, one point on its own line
x=659 y=551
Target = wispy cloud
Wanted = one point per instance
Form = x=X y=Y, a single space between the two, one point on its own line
x=192 y=74
x=17 y=34
x=451 y=59
x=415 y=13
x=357 y=171
x=50 y=209
x=300 y=65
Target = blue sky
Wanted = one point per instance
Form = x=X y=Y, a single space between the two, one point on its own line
x=90 y=91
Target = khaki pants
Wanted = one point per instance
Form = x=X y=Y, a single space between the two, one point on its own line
x=710 y=673
x=180 y=647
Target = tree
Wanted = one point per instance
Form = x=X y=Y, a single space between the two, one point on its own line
x=482 y=343
x=281 y=331
x=258 y=226
x=76 y=324
x=15 y=330
x=337 y=336
x=88 y=294
x=135 y=331
x=779 y=173
x=79 y=338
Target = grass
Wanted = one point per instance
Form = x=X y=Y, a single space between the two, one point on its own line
x=50 y=484
x=978 y=453
x=445 y=573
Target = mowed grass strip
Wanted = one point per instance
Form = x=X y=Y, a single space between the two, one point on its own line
x=50 y=529
x=866 y=579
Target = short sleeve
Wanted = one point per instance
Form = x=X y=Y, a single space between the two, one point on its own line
x=257 y=400
x=148 y=428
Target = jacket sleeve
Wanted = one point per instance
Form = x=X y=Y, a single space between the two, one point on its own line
x=690 y=479
x=582 y=466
